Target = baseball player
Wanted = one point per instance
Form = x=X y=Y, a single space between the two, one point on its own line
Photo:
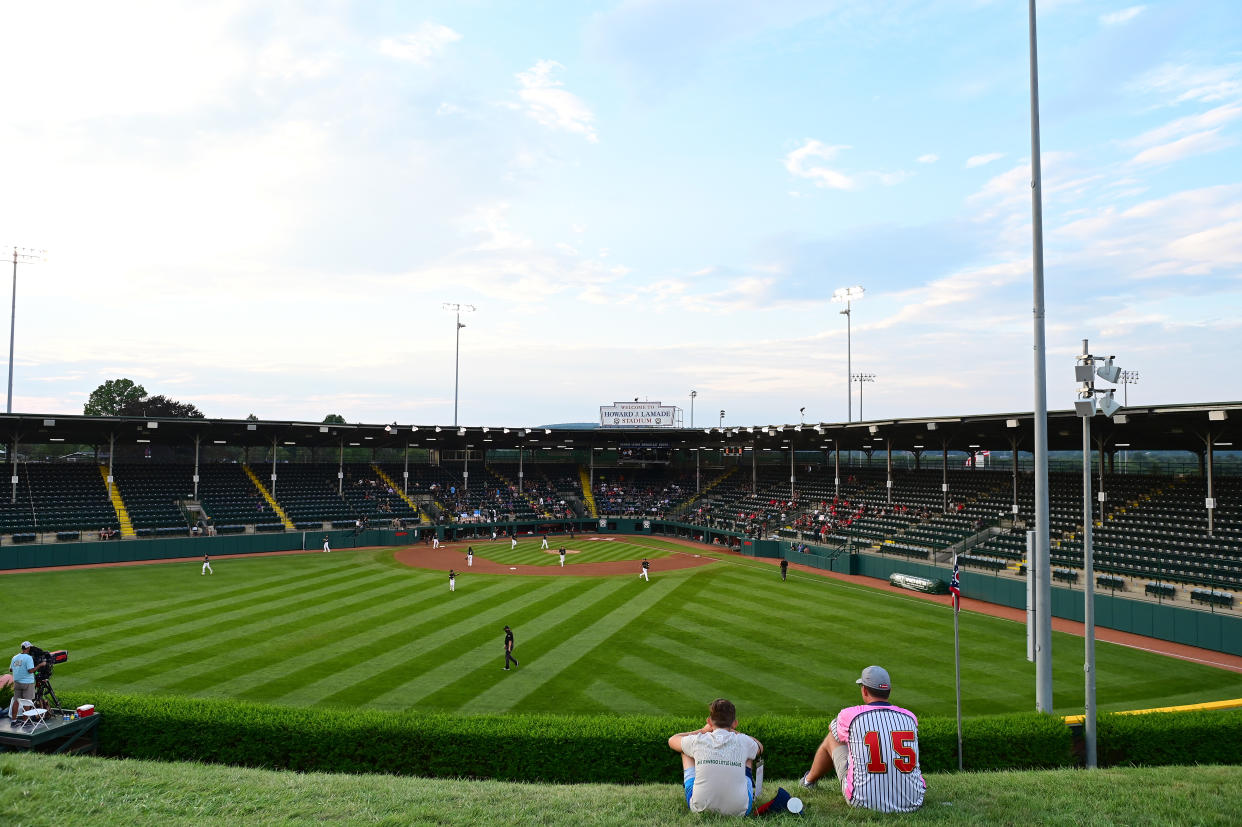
x=512 y=542
x=545 y=542
x=470 y=556
x=875 y=750
x=452 y=580
x=435 y=541
x=562 y=557
x=326 y=547
x=646 y=569
x=493 y=534
x=206 y=565
x=784 y=569
x=509 y=648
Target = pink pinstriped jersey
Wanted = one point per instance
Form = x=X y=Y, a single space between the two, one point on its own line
x=884 y=757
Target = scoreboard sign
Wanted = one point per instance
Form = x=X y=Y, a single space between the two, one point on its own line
x=637 y=415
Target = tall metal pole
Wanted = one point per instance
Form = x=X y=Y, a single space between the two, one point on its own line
x=849 y=370
x=12 y=330
x=1043 y=565
x=1088 y=565
x=457 y=309
x=692 y=395
x=456 y=367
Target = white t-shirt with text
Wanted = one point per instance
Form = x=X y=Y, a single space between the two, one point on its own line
x=720 y=758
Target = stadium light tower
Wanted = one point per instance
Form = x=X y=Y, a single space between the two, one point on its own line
x=1128 y=378
x=860 y=378
x=458 y=309
x=722 y=418
x=692 y=395
x=23 y=254
x=848 y=295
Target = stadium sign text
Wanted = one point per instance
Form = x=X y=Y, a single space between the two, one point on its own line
x=637 y=415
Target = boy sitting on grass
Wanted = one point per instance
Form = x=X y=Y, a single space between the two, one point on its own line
x=717 y=763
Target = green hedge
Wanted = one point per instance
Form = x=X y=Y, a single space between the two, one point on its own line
x=1170 y=738
x=536 y=748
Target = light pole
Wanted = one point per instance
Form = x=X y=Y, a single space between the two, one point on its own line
x=692 y=395
x=1085 y=406
x=458 y=309
x=848 y=295
x=1041 y=565
x=1128 y=378
x=721 y=418
x=24 y=254
x=860 y=378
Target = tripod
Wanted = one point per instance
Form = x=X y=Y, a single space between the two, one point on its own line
x=43 y=689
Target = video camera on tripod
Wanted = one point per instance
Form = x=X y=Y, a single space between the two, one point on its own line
x=44 y=663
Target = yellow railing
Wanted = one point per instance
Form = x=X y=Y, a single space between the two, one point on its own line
x=267 y=495
x=118 y=505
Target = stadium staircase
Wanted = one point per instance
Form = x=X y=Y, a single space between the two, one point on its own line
x=271 y=501
x=588 y=496
x=118 y=505
x=422 y=518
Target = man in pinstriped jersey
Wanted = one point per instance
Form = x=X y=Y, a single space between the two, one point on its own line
x=875 y=749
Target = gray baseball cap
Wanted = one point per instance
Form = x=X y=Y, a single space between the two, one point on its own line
x=875 y=677
x=25 y=644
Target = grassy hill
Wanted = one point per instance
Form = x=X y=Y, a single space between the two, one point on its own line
x=45 y=790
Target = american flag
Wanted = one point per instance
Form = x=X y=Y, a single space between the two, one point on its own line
x=955 y=587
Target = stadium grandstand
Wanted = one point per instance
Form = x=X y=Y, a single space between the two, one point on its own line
x=924 y=490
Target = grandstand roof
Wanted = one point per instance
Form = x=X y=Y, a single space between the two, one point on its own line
x=1158 y=427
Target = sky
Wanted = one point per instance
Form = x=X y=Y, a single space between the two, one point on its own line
x=263 y=207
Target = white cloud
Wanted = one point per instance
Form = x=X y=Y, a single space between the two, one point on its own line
x=1117 y=18
x=801 y=163
x=420 y=46
x=929 y=158
x=1191 y=123
x=548 y=102
x=1196 y=144
x=980 y=160
x=1185 y=82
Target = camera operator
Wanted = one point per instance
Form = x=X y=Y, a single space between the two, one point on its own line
x=23 y=668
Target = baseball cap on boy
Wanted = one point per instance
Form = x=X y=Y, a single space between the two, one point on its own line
x=875 y=677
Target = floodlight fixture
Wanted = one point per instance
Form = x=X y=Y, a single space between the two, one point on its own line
x=547 y=430
x=1109 y=372
x=1217 y=416
x=707 y=430
x=461 y=431
x=873 y=429
x=413 y=429
x=1011 y=423
x=437 y=429
x=1085 y=407
x=1109 y=405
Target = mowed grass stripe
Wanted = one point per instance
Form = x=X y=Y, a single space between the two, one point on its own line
x=469 y=649
x=467 y=683
x=95 y=616
x=332 y=630
x=183 y=637
x=588 y=552
x=370 y=642
x=602 y=659
x=206 y=597
x=560 y=652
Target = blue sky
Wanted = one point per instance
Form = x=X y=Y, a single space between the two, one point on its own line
x=261 y=207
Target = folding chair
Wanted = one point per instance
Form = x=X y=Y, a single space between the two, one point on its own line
x=30 y=715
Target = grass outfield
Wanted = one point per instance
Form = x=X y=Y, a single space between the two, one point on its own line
x=353 y=628
x=48 y=790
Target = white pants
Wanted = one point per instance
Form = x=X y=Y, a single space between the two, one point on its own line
x=644 y=576
x=470 y=560
x=512 y=544
x=562 y=561
x=452 y=585
x=493 y=536
x=545 y=543
x=325 y=547
x=207 y=569
x=435 y=542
